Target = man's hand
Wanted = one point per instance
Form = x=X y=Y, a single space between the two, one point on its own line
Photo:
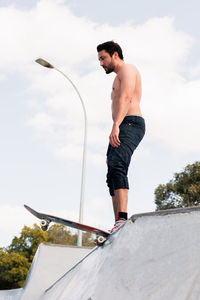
x=114 y=136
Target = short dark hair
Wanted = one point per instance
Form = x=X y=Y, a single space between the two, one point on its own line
x=111 y=47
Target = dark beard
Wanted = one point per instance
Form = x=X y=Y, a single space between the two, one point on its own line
x=109 y=69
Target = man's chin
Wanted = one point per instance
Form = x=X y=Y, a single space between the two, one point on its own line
x=108 y=71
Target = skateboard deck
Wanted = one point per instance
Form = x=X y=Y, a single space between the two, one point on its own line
x=46 y=219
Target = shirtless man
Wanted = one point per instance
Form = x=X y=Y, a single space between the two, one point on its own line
x=128 y=125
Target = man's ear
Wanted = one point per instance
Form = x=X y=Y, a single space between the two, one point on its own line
x=115 y=54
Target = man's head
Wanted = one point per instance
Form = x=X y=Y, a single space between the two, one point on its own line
x=109 y=53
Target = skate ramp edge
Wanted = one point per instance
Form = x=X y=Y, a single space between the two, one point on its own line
x=153 y=256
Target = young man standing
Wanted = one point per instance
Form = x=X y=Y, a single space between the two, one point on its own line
x=128 y=125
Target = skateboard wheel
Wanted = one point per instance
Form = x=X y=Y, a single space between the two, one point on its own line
x=100 y=240
x=44 y=225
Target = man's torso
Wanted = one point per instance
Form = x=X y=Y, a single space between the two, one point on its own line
x=134 y=108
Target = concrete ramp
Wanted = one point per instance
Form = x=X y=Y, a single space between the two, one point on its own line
x=49 y=264
x=154 y=256
x=14 y=294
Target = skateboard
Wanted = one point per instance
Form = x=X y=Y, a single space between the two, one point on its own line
x=101 y=235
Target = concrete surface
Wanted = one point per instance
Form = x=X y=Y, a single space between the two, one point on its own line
x=49 y=264
x=156 y=257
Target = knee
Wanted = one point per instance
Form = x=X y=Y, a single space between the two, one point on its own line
x=116 y=168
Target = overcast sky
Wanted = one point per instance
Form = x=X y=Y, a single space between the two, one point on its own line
x=41 y=116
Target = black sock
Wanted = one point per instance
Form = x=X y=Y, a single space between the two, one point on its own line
x=123 y=215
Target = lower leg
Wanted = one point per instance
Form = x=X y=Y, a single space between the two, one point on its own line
x=120 y=201
x=115 y=206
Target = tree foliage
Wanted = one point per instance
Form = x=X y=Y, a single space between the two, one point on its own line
x=16 y=259
x=58 y=234
x=182 y=191
x=13 y=270
x=28 y=241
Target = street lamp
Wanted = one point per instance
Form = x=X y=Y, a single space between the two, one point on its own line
x=46 y=64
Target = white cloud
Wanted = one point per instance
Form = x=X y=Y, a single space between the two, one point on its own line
x=194 y=72
x=52 y=31
x=2 y=77
x=13 y=218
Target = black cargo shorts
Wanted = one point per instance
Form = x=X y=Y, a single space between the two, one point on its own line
x=132 y=130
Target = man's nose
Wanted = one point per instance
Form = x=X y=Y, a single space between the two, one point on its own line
x=101 y=63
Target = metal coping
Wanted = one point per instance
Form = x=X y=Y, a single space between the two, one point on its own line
x=166 y=212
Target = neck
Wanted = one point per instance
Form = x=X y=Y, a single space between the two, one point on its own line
x=118 y=66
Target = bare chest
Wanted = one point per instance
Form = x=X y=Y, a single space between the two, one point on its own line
x=115 y=94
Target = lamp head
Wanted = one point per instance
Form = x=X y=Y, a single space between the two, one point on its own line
x=44 y=63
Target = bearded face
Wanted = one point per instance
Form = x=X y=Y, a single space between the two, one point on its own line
x=106 y=61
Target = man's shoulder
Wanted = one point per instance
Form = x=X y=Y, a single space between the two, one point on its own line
x=128 y=70
x=130 y=67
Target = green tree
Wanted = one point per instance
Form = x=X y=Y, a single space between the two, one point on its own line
x=30 y=238
x=13 y=270
x=28 y=241
x=182 y=191
x=59 y=234
x=88 y=239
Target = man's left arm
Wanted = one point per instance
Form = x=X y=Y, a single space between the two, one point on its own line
x=127 y=79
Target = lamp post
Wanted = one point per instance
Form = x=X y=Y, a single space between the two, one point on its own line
x=46 y=64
